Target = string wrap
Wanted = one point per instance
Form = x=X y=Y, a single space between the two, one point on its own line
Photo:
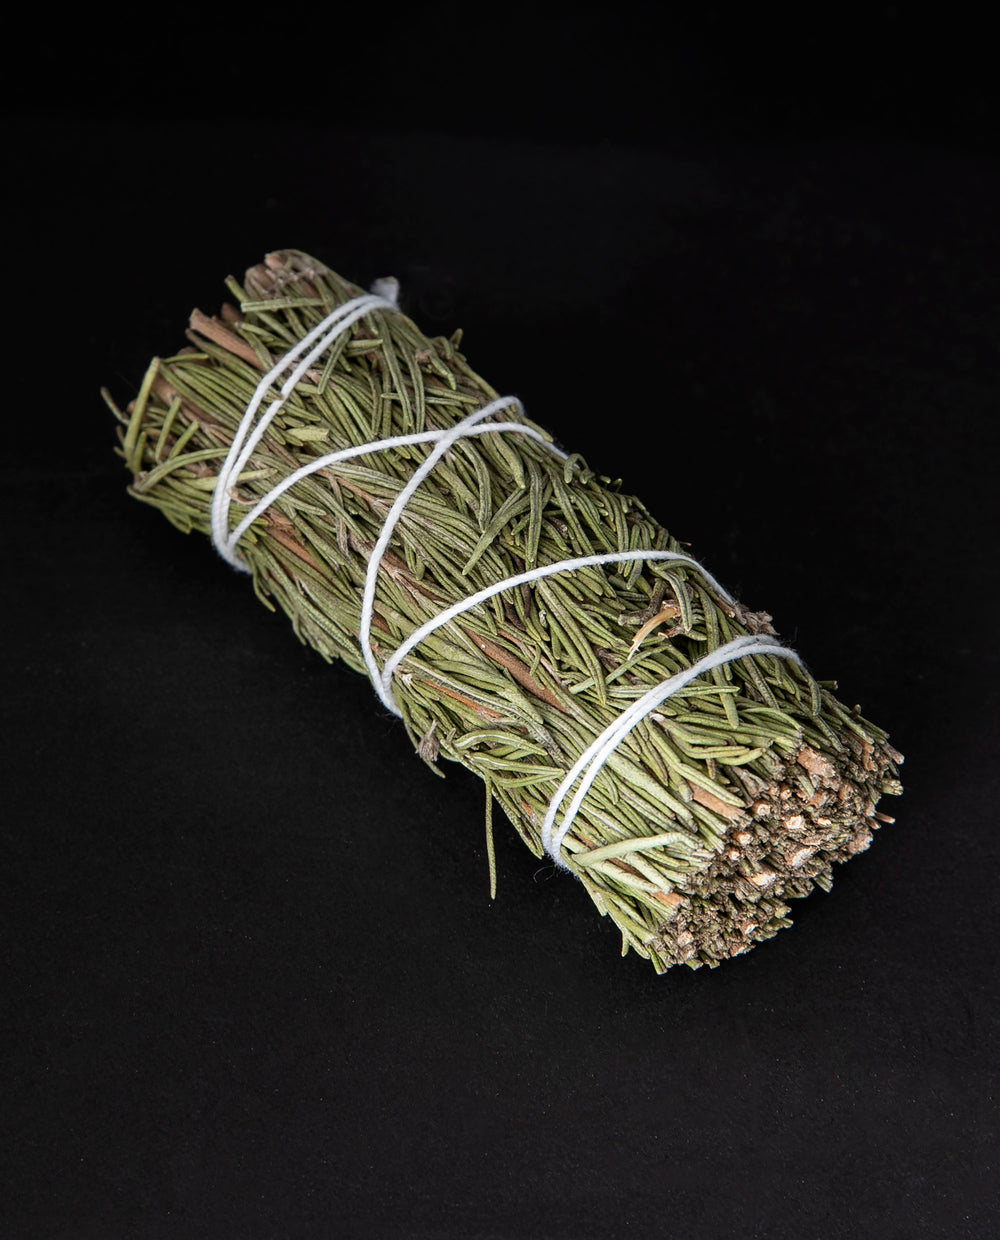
x=384 y=296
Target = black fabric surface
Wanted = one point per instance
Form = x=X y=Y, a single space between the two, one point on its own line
x=257 y=988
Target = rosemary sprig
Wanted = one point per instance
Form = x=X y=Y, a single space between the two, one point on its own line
x=741 y=792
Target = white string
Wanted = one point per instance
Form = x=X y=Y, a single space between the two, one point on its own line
x=593 y=759
x=533 y=574
x=335 y=324
x=378 y=445
x=591 y=762
x=459 y=431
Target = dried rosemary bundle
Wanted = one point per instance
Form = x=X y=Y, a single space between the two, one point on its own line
x=739 y=792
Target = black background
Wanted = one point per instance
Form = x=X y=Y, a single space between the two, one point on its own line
x=257 y=987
